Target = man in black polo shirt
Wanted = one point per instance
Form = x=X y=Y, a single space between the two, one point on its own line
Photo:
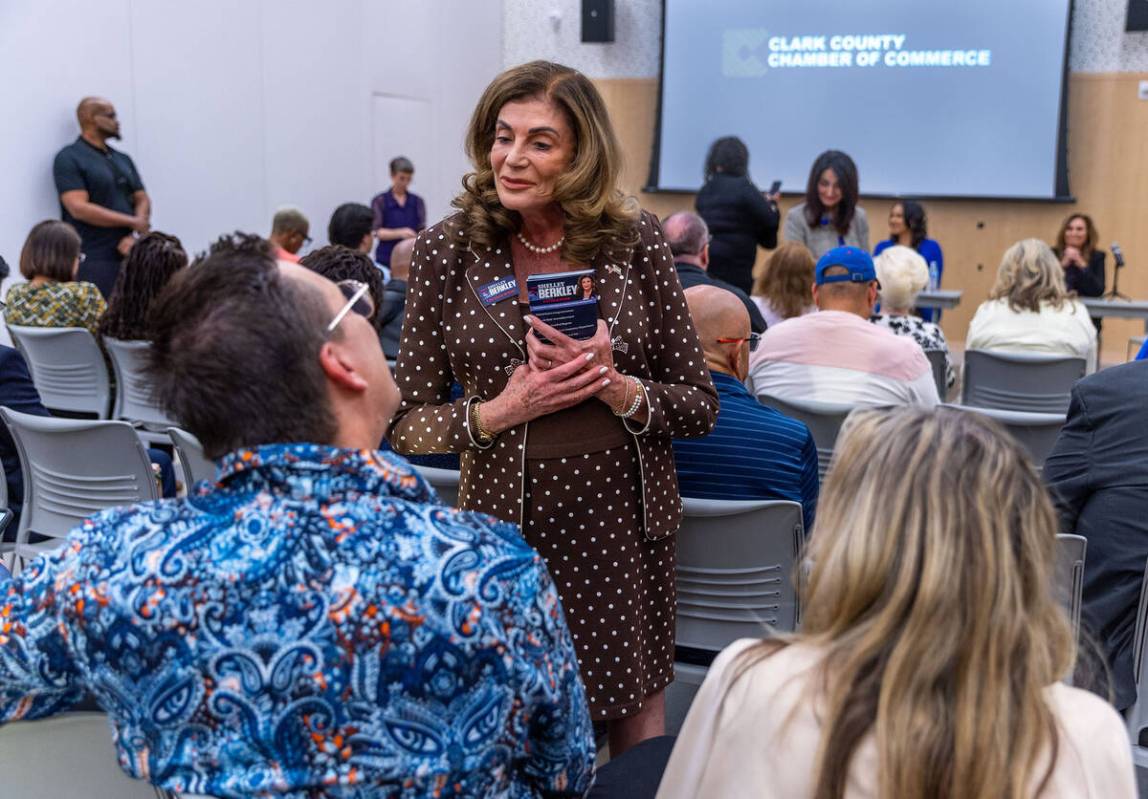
x=101 y=194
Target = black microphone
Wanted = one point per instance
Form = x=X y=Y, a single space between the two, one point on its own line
x=1118 y=254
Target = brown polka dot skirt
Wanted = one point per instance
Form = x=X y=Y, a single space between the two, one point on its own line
x=617 y=588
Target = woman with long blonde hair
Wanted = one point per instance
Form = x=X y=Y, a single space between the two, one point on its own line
x=1031 y=310
x=931 y=650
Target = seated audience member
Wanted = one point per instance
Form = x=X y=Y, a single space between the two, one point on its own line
x=52 y=297
x=909 y=227
x=1081 y=259
x=312 y=621
x=350 y=226
x=931 y=645
x=1029 y=309
x=150 y=264
x=338 y=263
x=393 y=312
x=903 y=274
x=754 y=452
x=688 y=237
x=836 y=355
x=290 y=230
x=784 y=289
x=1098 y=475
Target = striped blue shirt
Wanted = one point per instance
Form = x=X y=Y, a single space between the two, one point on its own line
x=754 y=452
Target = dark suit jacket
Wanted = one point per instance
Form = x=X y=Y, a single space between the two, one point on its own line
x=691 y=275
x=1098 y=475
x=17 y=393
x=391 y=316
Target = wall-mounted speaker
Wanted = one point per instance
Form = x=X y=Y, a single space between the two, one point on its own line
x=598 y=20
x=1137 y=15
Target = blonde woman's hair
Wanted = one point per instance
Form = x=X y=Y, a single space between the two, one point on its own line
x=903 y=274
x=931 y=598
x=597 y=214
x=1030 y=274
x=787 y=280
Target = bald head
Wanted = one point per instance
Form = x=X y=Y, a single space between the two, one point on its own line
x=688 y=237
x=718 y=313
x=97 y=118
x=401 y=259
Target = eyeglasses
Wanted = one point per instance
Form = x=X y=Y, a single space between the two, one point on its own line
x=752 y=338
x=357 y=300
x=307 y=240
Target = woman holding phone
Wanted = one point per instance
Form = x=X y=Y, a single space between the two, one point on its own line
x=739 y=215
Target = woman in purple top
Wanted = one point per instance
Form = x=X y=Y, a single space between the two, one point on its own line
x=399 y=214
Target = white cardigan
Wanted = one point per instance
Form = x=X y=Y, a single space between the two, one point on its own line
x=757 y=736
x=1064 y=331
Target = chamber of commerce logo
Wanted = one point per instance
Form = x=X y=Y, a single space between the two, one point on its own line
x=744 y=52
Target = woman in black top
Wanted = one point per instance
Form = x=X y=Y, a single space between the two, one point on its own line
x=740 y=216
x=1083 y=263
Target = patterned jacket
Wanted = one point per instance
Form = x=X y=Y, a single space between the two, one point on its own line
x=450 y=334
x=312 y=625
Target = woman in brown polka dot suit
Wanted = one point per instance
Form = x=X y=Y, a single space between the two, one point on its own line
x=571 y=439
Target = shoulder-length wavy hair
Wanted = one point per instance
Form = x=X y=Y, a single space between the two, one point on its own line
x=1030 y=275
x=727 y=156
x=916 y=220
x=787 y=280
x=598 y=217
x=1091 y=236
x=931 y=599
x=846 y=172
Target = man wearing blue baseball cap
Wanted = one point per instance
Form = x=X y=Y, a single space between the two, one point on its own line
x=836 y=355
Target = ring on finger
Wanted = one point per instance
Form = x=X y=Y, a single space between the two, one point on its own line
x=549 y=363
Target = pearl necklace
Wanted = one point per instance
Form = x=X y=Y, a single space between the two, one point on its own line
x=534 y=248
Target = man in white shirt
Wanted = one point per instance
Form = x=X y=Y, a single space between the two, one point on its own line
x=837 y=355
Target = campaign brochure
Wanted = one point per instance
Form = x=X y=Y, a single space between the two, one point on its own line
x=567 y=301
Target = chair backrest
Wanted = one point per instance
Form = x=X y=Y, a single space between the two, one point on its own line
x=736 y=569
x=134 y=400
x=65 y=757
x=193 y=464
x=1138 y=713
x=1035 y=382
x=823 y=419
x=1069 y=582
x=937 y=362
x=67 y=368
x=76 y=467
x=1036 y=432
x=445 y=482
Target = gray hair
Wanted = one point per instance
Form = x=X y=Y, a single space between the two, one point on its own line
x=903 y=275
x=401 y=164
x=290 y=220
x=686 y=233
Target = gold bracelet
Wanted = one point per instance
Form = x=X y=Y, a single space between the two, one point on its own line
x=625 y=398
x=481 y=435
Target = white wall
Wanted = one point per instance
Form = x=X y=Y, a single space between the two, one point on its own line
x=231 y=110
x=530 y=30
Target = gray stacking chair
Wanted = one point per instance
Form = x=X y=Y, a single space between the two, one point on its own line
x=1013 y=381
x=735 y=577
x=823 y=419
x=445 y=482
x=1036 y=432
x=1069 y=580
x=73 y=468
x=133 y=400
x=193 y=464
x=1138 y=714
x=70 y=756
x=937 y=362
x=67 y=368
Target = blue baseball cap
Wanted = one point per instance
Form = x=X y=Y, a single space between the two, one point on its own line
x=856 y=260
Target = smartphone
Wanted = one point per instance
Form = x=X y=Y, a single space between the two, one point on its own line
x=774 y=187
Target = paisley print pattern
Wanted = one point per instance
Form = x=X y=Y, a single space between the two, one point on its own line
x=314 y=624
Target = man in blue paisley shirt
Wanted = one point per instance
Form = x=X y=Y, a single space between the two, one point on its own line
x=312 y=623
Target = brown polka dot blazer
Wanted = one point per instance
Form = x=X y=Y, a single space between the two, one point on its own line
x=449 y=334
